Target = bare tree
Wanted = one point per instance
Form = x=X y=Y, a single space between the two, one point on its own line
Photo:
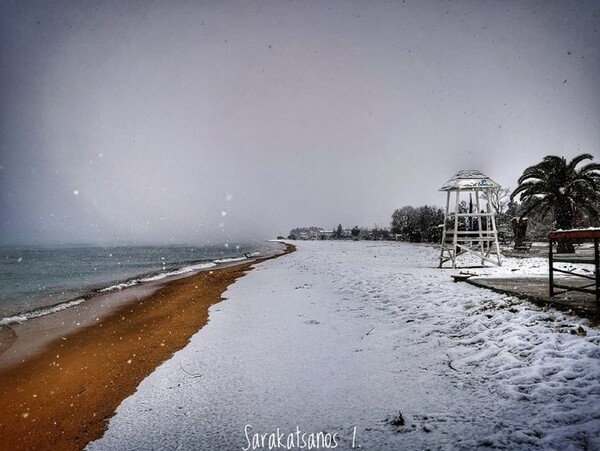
x=497 y=199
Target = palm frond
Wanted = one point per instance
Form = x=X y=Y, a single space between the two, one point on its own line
x=533 y=205
x=532 y=188
x=590 y=168
x=578 y=159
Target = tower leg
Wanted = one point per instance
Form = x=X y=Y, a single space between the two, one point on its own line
x=495 y=234
x=455 y=238
x=481 y=243
x=443 y=244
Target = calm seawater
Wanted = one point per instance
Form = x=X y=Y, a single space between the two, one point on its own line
x=34 y=280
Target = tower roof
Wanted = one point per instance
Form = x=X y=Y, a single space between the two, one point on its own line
x=469 y=180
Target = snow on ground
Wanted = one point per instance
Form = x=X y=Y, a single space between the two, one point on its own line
x=518 y=267
x=339 y=337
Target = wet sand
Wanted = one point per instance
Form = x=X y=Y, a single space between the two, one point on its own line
x=21 y=342
x=61 y=397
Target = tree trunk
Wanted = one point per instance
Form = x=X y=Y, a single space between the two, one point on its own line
x=564 y=221
x=565 y=247
x=519 y=226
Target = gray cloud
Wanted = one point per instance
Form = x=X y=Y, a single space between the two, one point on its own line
x=199 y=121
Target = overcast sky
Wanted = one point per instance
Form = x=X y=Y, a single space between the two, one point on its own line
x=193 y=121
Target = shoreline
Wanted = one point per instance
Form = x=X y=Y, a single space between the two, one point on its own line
x=62 y=397
x=87 y=290
x=23 y=339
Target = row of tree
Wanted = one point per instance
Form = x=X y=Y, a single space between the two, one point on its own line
x=553 y=194
x=418 y=224
x=339 y=233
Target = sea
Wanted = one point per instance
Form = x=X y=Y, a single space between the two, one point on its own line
x=40 y=280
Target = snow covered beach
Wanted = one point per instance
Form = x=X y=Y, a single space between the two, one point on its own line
x=336 y=339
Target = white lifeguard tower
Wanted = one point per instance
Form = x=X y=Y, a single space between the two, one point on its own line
x=468 y=228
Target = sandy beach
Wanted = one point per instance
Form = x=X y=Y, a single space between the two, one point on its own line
x=61 y=396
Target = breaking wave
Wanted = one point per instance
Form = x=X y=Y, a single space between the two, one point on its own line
x=41 y=312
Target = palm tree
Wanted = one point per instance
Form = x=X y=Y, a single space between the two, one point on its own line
x=557 y=186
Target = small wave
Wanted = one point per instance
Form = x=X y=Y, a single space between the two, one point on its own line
x=13 y=320
x=17 y=319
x=177 y=272
x=120 y=286
x=229 y=260
x=155 y=277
